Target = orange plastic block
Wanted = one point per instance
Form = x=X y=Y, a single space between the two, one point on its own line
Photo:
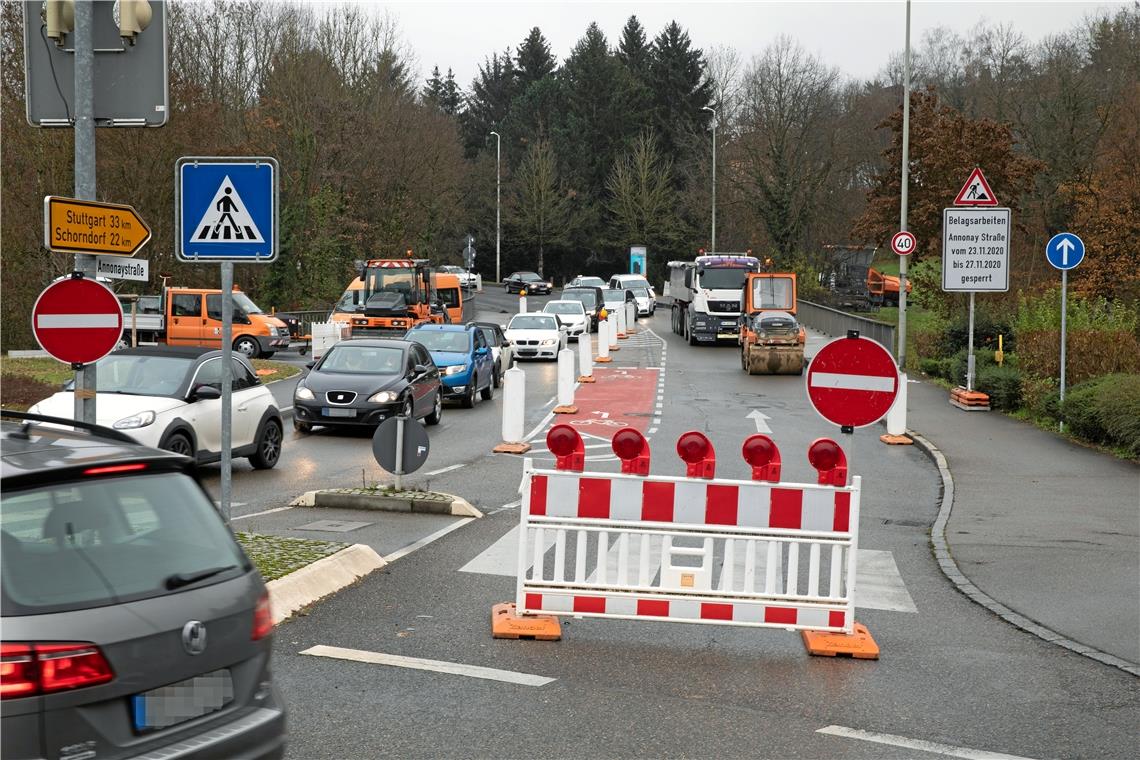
x=511 y=448
x=859 y=644
x=506 y=623
x=565 y=410
x=587 y=379
x=895 y=440
x=602 y=359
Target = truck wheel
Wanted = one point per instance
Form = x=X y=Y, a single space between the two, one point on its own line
x=248 y=346
x=689 y=332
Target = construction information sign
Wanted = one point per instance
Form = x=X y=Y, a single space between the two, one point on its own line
x=975 y=249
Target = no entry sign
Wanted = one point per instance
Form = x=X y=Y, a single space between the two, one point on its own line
x=852 y=382
x=77 y=321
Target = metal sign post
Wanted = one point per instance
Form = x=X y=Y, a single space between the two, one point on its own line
x=1064 y=251
x=227 y=385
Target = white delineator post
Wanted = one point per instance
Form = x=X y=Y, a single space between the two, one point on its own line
x=514 y=409
x=621 y=322
x=630 y=317
x=522 y=302
x=585 y=358
x=604 y=342
x=896 y=417
x=566 y=383
x=612 y=333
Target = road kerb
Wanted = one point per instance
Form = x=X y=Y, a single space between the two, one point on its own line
x=326 y=576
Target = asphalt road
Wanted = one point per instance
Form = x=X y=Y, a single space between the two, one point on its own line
x=953 y=680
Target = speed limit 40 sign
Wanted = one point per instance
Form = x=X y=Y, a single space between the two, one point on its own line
x=902 y=243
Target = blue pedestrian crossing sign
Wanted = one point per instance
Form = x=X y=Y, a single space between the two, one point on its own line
x=1065 y=250
x=226 y=209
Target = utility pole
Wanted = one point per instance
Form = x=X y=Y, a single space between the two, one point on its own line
x=905 y=187
x=84 y=128
x=713 y=237
x=498 y=208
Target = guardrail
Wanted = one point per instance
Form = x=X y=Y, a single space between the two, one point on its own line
x=836 y=323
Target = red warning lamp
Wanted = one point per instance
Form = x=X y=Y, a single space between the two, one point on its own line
x=633 y=451
x=565 y=444
x=761 y=453
x=698 y=453
x=829 y=461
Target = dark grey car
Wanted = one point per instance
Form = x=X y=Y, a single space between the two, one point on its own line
x=133 y=623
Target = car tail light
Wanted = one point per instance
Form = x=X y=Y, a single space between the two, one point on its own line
x=114 y=469
x=262 y=618
x=45 y=668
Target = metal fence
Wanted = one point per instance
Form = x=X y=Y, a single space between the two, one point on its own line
x=836 y=323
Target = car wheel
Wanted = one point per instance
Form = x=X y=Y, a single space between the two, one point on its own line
x=268 y=447
x=248 y=346
x=302 y=427
x=469 y=398
x=179 y=443
x=488 y=393
x=436 y=411
x=497 y=379
x=409 y=410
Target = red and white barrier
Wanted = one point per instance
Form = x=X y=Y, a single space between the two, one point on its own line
x=694 y=549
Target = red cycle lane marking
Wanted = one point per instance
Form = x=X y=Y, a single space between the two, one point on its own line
x=621 y=397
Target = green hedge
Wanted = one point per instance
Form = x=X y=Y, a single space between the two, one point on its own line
x=1002 y=384
x=1105 y=410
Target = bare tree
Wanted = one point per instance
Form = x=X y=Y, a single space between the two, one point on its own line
x=642 y=199
x=542 y=208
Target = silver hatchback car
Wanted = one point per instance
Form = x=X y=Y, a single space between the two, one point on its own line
x=133 y=623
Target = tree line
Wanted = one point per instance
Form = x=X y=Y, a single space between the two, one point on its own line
x=607 y=148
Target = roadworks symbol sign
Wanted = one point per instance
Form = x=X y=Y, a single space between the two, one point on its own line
x=976 y=191
x=227 y=219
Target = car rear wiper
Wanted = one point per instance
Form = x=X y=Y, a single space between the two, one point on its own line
x=178 y=580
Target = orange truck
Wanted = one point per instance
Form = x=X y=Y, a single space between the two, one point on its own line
x=193 y=317
x=771 y=340
x=884 y=288
x=390 y=296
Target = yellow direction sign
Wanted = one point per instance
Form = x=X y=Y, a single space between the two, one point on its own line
x=110 y=229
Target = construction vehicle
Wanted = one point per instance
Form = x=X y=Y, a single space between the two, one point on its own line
x=883 y=289
x=389 y=297
x=851 y=282
x=771 y=341
x=706 y=295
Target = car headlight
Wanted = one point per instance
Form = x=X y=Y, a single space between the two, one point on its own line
x=384 y=397
x=455 y=369
x=549 y=342
x=303 y=393
x=142 y=419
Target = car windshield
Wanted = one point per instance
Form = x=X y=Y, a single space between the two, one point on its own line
x=73 y=546
x=613 y=296
x=363 y=360
x=491 y=335
x=723 y=279
x=561 y=307
x=772 y=293
x=142 y=375
x=532 y=322
x=594 y=281
x=588 y=298
x=246 y=304
x=635 y=282
x=640 y=292
x=441 y=340
x=531 y=277
x=351 y=300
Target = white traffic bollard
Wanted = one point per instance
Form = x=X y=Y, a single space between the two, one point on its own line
x=604 y=342
x=478 y=283
x=566 y=383
x=612 y=336
x=630 y=317
x=585 y=358
x=621 y=323
x=514 y=409
x=896 y=417
x=522 y=303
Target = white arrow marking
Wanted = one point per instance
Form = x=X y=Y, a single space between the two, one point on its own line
x=853 y=382
x=761 y=421
x=71 y=321
x=1065 y=246
x=603 y=415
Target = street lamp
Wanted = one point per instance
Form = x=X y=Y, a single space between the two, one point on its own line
x=498 y=186
x=713 y=112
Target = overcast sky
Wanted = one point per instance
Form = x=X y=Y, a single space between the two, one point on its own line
x=856 y=37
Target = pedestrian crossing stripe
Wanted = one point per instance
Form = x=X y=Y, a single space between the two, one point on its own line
x=227 y=219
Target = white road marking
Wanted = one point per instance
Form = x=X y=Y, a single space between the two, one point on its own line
x=539 y=427
x=853 y=382
x=285 y=408
x=258 y=514
x=435 y=666
x=44 y=321
x=426 y=540
x=916 y=744
x=442 y=470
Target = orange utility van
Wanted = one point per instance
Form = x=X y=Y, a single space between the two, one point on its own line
x=193 y=317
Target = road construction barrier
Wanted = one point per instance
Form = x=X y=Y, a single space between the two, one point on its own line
x=566 y=383
x=585 y=358
x=325 y=335
x=630 y=317
x=514 y=410
x=692 y=549
x=896 y=418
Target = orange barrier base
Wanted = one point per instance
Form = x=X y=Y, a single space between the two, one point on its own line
x=565 y=410
x=602 y=359
x=859 y=644
x=511 y=448
x=614 y=348
x=896 y=440
x=506 y=623
x=622 y=336
x=970 y=401
x=587 y=379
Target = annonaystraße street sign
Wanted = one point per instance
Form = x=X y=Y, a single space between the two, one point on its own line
x=109 y=229
x=975 y=249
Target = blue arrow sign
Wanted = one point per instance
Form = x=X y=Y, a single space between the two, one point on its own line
x=1065 y=250
x=226 y=209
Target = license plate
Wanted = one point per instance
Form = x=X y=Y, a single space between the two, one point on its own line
x=179 y=702
x=330 y=412
x=725 y=335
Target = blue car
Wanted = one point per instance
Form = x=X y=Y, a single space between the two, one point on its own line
x=466 y=366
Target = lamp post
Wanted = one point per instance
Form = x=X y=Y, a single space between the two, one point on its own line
x=713 y=241
x=498 y=186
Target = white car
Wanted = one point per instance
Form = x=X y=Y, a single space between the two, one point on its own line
x=572 y=315
x=501 y=348
x=170 y=398
x=623 y=281
x=535 y=335
x=466 y=279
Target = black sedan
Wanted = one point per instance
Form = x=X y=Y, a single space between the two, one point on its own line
x=364 y=382
x=529 y=282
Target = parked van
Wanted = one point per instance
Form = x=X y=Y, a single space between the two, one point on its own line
x=193 y=317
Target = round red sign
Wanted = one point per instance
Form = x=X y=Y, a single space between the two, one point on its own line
x=903 y=243
x=77 y=321
x=852 y=382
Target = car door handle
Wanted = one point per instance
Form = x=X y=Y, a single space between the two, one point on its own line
x=242 y=408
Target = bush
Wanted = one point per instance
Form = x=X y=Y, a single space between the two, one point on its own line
x=1119 y=405
x=959 y=363
x=956 y=336
x=935 y=368
x=1103 y=338
x=1002 y=384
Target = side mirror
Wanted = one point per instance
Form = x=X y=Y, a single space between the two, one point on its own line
x=205 y=393
x=310 y=365
x=419 y=369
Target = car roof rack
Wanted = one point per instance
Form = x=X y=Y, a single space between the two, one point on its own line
x=90 y=427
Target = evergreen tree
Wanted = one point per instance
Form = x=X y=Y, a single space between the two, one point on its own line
x=541 y=209
x=534 y=61
x=451 y=97
x=680 y=88
x=433 y=90
x=492 y=92
x=633 y=50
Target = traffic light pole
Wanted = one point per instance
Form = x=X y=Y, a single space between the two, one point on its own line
x=84 y=126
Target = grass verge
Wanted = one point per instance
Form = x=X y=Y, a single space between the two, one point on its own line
x=270 y=371
x=276 y=557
